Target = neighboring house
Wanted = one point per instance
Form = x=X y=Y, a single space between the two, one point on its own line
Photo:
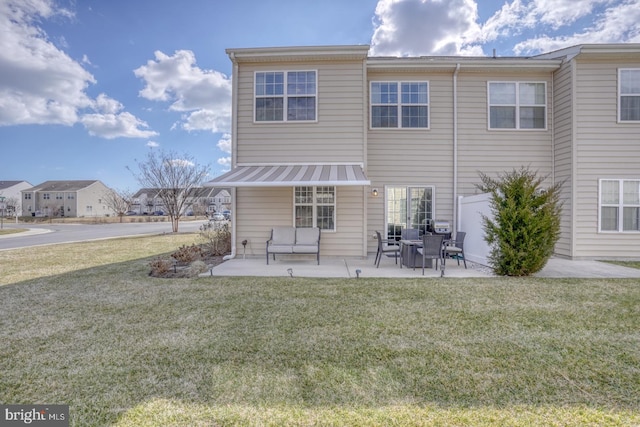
x=201 y=200
x=10 y=194
x=220 y=201
x=330 y=137
x=66 y=199
x=146 y=201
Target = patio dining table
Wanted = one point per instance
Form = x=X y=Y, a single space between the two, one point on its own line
x=409 y=253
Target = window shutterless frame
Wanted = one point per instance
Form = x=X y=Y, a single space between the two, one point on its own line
x=517 y=105
x=399 y=105
x=282 y=96
x=618 y=205
x=315 y=206
x=629 y=95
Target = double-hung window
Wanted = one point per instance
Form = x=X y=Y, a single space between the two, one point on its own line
x=517 y=105
x=282 y=96
x=315 y=207
x=399 y=104
x=629 y=94
x=619 y=205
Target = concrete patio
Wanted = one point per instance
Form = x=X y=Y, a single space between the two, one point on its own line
x=352 y=267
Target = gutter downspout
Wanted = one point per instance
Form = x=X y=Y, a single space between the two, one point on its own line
x=234 y=146
x=455 y=148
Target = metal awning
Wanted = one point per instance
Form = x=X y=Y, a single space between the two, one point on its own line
x=291 y=175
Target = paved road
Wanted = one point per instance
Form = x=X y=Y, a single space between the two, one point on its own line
x=47 y=234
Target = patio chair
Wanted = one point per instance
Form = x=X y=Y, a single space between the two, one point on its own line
x=385 y=246
x=432 y=249
x=455 y=248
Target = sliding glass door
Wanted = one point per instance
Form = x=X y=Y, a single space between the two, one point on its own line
x=408 y=207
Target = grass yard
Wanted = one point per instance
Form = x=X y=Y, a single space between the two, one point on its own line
x=124 y=349
x=5 y=231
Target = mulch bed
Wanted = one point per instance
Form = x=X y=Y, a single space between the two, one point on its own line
x=180 y=270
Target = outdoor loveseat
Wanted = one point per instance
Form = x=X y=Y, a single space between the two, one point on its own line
x=291 y=240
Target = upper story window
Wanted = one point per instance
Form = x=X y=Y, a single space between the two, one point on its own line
x=46 y=196
x=285 y=96
x=399 y=104
x=629 y=94
x=619 y=205
x=517 y=105
x=27 y=196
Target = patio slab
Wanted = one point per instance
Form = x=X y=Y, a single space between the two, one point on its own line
x=337 y=267
x=347 y=267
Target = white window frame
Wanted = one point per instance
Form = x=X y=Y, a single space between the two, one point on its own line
x=286 y=96
x=635 y=93
x=620 y=205
x=399 y=104
x=518 y=106
x=315 y=204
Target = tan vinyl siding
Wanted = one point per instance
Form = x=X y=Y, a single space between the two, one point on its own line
x=261 y=209
x=496 y=151
x=563 y=154
x=605 y=149
x=425 y=157
x=337 y=136
x=413 y=157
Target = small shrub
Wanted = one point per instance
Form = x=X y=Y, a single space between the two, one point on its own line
x=217 y=238
x=160 y=267
x=196 y=268
x=187 y=254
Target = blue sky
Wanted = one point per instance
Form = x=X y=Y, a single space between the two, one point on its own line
x=88 y=87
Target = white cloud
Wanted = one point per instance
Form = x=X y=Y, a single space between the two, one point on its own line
x=120 y=125
x=40 y=83
x=618 y=23
x=440 y=27
x=204 y=95
x=109 y=121
x=225 y=162
x=421 y=27
x=224 y=144
x=182 y=163
x=152 y=144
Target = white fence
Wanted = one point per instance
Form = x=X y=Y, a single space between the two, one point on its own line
x=471 y=209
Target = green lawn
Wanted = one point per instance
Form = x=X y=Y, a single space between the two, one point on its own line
x=124 y=349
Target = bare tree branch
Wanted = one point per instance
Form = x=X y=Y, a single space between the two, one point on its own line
x=119 y=201
x=175 y=177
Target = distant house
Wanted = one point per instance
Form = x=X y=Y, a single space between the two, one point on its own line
x=330 y=137
x=201 y=200
x=11 y=192
x=146 y=201
x=66 y=199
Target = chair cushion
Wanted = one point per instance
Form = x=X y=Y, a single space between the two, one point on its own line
x=280 y=249
x=307 y=236
x=305 y=249
x=453 y=249
x=283 y=236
